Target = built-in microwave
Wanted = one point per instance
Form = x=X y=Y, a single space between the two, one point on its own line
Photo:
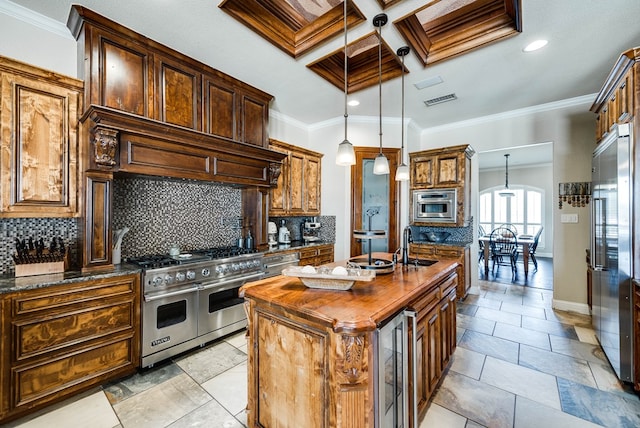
x=434 y=206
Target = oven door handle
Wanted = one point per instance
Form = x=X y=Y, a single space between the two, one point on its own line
x=221 y=285
x=150 y=298
x=288 y=262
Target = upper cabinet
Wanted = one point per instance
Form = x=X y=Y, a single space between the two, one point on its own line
x=298 y=190
x=39 y=113
x=616 y=101
x=126 y=71
x=444 y=168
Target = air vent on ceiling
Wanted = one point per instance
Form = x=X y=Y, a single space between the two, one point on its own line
x=432 y=81
x=442 y=99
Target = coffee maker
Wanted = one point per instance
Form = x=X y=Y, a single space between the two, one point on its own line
x=284 y=237
x=272 y=233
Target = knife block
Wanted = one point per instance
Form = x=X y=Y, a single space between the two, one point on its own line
x=28 y=269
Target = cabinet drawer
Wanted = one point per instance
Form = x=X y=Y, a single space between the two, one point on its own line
x=323 y=251
x=420 y=250
x=306 y=253
x=452 y=253
x=58 y=298
x=427 y=302
x=449 y=284
x=44 y=380
x=37 y=336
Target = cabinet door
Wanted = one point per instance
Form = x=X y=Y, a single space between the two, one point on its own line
x=123 y=74
x=624 y=98
x=220 y=109
x=255 y=119
x=275 y=378
x=448 y=170
x=312 y=185
x=279 y=200
x=422 y=171
x=429 y=357
x=296 y=183
x=448 y=327
x=178 y=94
x=39 y=139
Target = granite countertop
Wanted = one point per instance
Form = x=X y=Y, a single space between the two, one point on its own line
x=10 y=284
x=444 y=244
x=293 y=246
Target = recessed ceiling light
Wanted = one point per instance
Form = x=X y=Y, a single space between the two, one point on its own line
x=432 y=81
x=354 y=103
x=535 y=45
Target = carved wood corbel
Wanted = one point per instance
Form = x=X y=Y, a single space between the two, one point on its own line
x=105 y=146
x=274 y=172
x=353 y=351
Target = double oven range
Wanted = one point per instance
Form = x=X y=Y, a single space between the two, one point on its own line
x=191 y=299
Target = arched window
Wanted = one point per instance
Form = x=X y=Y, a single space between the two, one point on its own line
x=525 y=210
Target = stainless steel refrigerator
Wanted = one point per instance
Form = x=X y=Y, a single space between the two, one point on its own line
x=611 y=250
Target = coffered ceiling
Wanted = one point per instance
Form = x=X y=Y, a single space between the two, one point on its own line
x=585 y=39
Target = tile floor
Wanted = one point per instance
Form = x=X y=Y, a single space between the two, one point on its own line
x=518 y=364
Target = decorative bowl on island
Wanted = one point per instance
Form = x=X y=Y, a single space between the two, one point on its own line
x=338 y=278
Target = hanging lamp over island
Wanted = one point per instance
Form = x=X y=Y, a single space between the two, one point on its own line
x=506 y=193
x=346 y=155
x=381 y=164
x=402 y=173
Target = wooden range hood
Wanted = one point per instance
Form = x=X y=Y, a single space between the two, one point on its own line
x=124 y=142
x=154 y=111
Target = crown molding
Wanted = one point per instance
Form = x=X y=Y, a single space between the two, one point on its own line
x=569 y=102
x=34 y=18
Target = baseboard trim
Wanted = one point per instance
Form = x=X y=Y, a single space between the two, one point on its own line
x=564 y=305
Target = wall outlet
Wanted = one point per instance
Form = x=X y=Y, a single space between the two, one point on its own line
x=569 y=218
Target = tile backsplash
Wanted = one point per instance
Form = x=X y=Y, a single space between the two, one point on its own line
x=45 y=228
x=160 y=212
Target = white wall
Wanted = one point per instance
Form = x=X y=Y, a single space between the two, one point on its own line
x=571 y=127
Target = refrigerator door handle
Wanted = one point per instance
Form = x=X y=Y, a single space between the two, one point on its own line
x=596 y=262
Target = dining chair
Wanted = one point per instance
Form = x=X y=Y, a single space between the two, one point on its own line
x=481 y=233
x=533 y=247
x=510 y=226
x=503 y=244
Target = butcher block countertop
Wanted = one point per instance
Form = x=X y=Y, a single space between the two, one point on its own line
x=362 y=308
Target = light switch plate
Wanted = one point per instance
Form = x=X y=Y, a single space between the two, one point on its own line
x=569 y=218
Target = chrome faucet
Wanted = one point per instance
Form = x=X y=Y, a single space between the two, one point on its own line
x=406 y=239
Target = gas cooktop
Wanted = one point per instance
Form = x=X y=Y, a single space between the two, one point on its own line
x=153 y=261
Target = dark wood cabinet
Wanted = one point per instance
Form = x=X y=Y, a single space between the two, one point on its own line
x=316 y=255
x=64 y=339
x=298 y=190
x=127 y=71
x=39 y=160
x=436 y=252
x=444 y=168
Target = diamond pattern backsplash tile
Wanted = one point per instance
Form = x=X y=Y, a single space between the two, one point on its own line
x=160 y=212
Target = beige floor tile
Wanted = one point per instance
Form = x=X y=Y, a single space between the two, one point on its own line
x=238 y=339
x=468 y=363
x=478 y=401
x=91 y=411
x=438 y=416
x=209 y=415
x=499 y=316
x=525 y=309
x=577 y=349
x=230 y=388
x=522 y=335
x=531 y=414
x=565 y=366
x=162 y=404
x=522 y=381
x=211 y=361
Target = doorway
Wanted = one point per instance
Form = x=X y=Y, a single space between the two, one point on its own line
x=374 y=201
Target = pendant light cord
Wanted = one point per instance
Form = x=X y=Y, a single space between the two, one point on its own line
x=402 y=124
x=380 y=78
x=346 y=114
x=506 y=172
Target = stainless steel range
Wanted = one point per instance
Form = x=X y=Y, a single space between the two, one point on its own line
x=191 y=299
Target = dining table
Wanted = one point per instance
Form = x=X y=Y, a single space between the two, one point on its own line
x=525 y=241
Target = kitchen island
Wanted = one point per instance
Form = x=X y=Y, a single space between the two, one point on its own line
x=313 y=353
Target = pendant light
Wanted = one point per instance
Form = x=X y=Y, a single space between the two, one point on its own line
x=346 y=155
x=402 y=173
x=506 y=193
x=381 y=164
